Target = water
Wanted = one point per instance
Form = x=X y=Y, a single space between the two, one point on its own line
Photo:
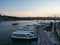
x=6 y=28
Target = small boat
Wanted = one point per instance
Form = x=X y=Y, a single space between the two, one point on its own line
x=24 y=34
x=15 y=23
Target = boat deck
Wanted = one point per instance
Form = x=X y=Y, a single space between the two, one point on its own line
x=25 y=33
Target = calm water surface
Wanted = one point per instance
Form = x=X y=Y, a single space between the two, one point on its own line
x=6 y=28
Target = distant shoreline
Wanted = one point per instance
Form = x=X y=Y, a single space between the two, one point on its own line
x=12 y=18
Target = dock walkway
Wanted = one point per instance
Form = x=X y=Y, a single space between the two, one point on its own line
x=43 y=39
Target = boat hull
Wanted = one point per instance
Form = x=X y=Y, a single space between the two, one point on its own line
x=24 y=39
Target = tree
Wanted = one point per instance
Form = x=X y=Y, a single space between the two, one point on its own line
x=51 y=24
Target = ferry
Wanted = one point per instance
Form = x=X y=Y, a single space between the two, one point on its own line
x=28 y=32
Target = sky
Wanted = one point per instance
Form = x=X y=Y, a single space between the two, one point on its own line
x=30 y=8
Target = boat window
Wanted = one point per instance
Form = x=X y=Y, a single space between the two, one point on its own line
x=20 y=35
x=23 y=35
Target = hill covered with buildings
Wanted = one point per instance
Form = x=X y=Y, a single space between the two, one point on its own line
x=13 y=18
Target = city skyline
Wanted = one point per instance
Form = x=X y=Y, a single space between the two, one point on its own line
x=30 y=8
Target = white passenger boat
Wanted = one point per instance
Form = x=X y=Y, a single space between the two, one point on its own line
x=25 y=33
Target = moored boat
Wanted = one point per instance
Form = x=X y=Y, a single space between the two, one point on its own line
x=15 y=23
x=25 y=33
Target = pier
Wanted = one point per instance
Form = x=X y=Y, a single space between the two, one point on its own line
x=42 y=37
